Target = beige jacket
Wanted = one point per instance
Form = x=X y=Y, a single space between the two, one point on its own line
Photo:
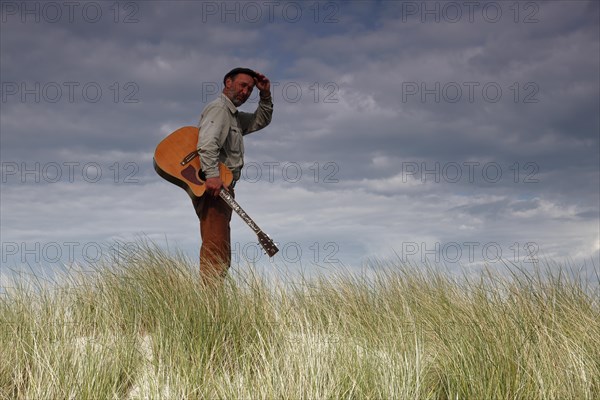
x=222 y=128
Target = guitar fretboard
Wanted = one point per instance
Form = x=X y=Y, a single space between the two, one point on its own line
x=225 y=195
x=263 y=239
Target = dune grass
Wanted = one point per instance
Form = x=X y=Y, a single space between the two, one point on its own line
x=145 y=327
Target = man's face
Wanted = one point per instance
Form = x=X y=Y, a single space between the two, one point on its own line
x=239 y=89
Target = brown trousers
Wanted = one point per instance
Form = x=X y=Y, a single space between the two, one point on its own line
x=215 y=252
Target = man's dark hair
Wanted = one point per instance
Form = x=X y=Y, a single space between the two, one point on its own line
x=233 y=73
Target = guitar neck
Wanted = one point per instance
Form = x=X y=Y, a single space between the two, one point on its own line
x=225 y=195
x=263 y=239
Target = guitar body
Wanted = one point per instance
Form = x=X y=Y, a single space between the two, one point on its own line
x=170 y=163
x=176 y=159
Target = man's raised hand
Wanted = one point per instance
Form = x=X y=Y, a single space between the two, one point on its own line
x=263 y=84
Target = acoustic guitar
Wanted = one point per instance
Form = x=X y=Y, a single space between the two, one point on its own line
x=176 y=159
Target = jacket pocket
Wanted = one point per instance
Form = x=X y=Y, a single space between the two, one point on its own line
x=236 y=143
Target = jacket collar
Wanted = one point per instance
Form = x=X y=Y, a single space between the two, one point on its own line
x=229 y=104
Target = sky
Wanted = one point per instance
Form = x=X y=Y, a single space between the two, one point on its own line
x=438 y=132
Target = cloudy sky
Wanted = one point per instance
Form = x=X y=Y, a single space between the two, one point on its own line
x=453 y=132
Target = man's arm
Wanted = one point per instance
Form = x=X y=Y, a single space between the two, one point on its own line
x=262 y=116
x=213 y=133
x=259 y=119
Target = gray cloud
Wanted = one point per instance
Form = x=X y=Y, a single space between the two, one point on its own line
x=366 y=110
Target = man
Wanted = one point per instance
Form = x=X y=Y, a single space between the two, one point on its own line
x=222 y=128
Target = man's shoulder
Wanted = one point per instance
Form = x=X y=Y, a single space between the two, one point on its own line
x=216 y=111
x=216 y=103
x=219 y=104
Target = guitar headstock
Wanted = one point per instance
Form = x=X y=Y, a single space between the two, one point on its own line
x=267 y=244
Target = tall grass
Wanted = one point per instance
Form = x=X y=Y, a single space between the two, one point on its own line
x=144 y=326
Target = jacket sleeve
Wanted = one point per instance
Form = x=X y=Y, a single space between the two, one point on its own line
x=259 y=119
x=214 y=127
